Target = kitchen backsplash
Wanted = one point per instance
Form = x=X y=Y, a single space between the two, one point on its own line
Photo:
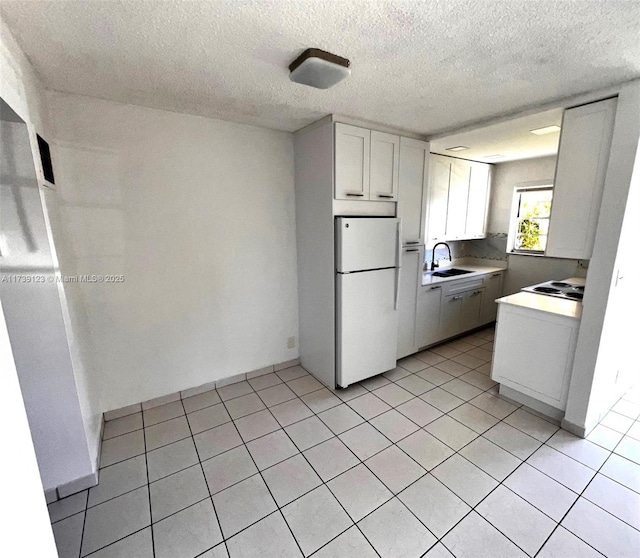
x=493 y=247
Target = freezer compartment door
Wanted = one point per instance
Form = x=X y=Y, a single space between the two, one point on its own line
x=367 y=325
x=366 y=243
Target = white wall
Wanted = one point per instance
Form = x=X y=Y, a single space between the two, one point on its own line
x=198 y=216
x=606 y=361
x=524 y=270
x=26 y=528
x=506 y=176
x=66 y=436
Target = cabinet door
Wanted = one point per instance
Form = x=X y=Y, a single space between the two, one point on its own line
x=439 y=177
x=407 y=300
x=352 y=152
x=492 y=290
x=471 y=307
x=458 y=198
x=477 y=200
x=384 y=165
x=414 y=168
x=540 y=369
x=428 y=316
x=450 y=315
x=583 y=155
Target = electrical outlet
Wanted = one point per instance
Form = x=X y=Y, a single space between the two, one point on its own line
x=291 y=342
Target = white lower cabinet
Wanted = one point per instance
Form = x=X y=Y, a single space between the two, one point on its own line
x=453 y=307
x=460 y=312
x=428 y=315
x=450 y=315
x=492 y=290
x=534 y=353
x=410 y=274
x=471 y=307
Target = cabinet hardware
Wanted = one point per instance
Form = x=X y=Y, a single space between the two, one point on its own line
x=414 y=250
x=496 y=275
x=356 y=195
x=439 y=287
x=412 y=242
x=384 y=196
x=456 y=298
x=474 y=293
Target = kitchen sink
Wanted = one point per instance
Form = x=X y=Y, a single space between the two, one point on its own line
x=451 y=272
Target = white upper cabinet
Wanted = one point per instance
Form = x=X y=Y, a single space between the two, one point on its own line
x=414 y=172
x=439 y=175
x=457 y=199
x=583 y=156
x=478 y=199
x=367 y=164
x=384 y=166
x=352 y=155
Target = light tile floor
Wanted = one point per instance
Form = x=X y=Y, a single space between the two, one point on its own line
x=424 y=460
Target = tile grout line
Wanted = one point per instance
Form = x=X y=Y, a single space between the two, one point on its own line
x=581 y=496
x=206 y=482
x=325 y=483
x=278 y=509
x=343 y=401
x=301 y=453
x=559 y=523
x=146 y=467
x=392 y=443
x=313 y=413
x=500 y=483
x=519 y=465
x=285 y=382
x=298 y=397
x=84 y=523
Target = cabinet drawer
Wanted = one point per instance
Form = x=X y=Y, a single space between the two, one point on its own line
x=454 y=287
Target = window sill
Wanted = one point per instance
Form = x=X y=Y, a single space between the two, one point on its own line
x=534 y=254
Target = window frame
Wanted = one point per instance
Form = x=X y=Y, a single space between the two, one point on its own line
x=542 y=185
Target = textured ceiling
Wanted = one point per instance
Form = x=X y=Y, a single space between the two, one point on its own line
x=424 y=66
x=512 y=139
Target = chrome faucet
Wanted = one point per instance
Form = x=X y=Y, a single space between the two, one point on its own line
x=433 y=254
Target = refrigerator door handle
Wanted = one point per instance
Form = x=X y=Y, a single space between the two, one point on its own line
x=398 y=260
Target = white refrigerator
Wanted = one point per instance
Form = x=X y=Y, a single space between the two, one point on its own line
x=367 y=273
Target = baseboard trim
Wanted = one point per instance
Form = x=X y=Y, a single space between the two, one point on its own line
x=544 y=409
x=580 y=431
x=196 y=390
x=78 y=485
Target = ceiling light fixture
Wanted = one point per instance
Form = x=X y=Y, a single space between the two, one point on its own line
x=457 y=148
x=546 y=130
x=318 y=68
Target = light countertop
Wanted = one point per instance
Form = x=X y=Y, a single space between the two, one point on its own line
x=543 y=303
x=429 y=279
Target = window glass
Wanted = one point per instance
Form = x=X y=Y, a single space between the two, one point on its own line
x=530 y=221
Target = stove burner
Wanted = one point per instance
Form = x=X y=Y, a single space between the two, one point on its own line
x=547 y=290
x=577 y=296
x=560 y=284
x=578 y=288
